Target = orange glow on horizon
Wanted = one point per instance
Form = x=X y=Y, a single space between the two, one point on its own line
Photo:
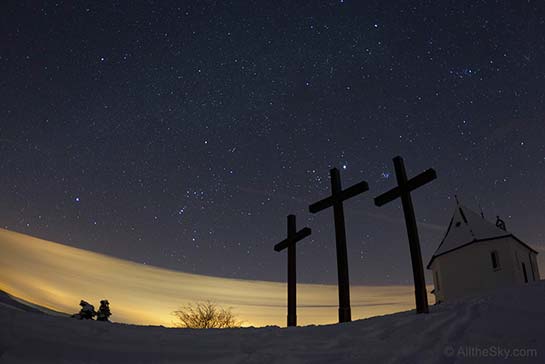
x=58 y=276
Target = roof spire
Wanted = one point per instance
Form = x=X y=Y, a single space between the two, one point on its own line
x=482 y=212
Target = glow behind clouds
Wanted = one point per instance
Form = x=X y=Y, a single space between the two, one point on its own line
x=58 y=276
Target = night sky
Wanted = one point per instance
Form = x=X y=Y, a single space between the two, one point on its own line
x=181 y=134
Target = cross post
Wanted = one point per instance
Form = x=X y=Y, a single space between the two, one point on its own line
x=293 y=237
x=403 y=191
x=338 y=195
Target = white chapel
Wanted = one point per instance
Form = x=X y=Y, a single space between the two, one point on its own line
x=477 y=256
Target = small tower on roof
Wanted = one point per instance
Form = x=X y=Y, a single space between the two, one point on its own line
x=477 y=255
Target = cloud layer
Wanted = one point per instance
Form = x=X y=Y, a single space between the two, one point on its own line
x=58 y=276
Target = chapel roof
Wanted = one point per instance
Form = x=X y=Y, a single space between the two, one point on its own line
x=467 y=227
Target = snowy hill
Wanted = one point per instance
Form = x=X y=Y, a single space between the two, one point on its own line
x=9 y=301
x=509 y=324
x=19 y=304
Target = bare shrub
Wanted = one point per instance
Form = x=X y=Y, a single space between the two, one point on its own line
x=205 y=315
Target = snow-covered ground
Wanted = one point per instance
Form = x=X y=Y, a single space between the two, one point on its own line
x=507 y=326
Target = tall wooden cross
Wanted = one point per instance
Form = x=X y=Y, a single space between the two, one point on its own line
x=338 y=195
x=403 y=191
x=293 y=237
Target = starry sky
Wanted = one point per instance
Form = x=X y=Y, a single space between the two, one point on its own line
x=180 y=134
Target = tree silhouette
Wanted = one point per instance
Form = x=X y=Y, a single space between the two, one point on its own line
x=104 y=312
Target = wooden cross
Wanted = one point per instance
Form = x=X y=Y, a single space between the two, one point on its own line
x=403 y=191
x=338 y=195
x=293 y=237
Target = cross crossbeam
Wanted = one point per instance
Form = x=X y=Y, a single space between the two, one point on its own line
x=300 y=235
x=342 y=196
x=412 y=184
